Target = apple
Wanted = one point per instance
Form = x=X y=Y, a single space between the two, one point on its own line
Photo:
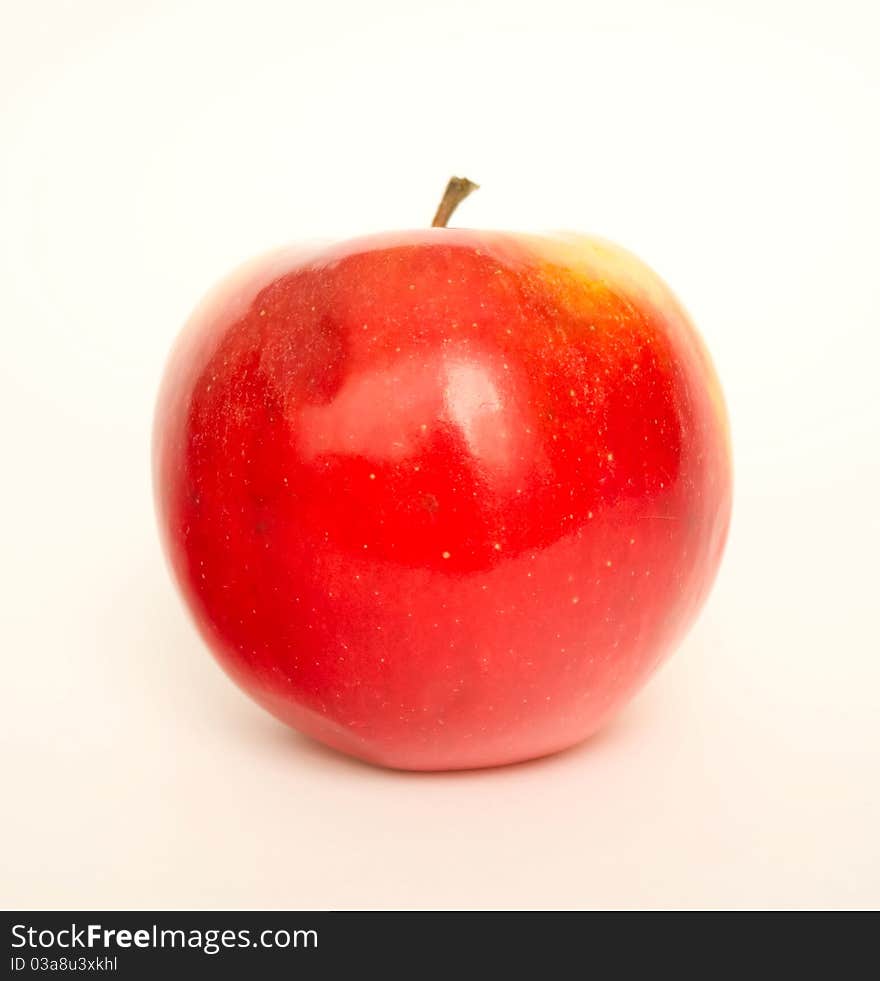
x=443 y=498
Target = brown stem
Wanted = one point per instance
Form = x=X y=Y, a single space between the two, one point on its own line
x=456 y=191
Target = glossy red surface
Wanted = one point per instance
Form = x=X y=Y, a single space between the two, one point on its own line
x=443 y=499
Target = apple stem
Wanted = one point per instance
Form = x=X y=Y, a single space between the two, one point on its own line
x=456 y=191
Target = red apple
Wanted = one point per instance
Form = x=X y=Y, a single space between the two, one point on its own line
x=443 y=498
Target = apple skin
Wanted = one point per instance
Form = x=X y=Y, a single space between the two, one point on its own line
x=443 y=499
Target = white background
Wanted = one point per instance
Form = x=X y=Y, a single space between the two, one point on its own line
x=145 y=148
